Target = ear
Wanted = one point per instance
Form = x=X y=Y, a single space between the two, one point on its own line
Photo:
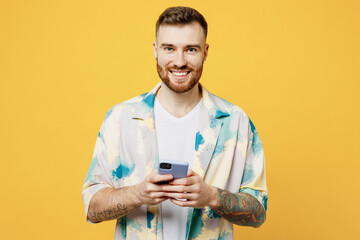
x=206 y=51
x=155 y=50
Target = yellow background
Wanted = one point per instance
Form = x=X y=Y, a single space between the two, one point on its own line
x=293 y=66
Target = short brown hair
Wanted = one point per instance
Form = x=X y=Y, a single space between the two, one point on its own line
x=181 y=15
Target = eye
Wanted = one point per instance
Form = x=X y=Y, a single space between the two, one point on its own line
x=169 y=49
x=192 y=50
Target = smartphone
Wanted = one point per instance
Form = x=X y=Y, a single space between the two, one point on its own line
x=176 y=168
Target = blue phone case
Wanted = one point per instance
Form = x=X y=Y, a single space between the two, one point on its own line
x=176 y=168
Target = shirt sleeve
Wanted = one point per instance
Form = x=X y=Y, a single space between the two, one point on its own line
x=254 y=179
x=98 y=175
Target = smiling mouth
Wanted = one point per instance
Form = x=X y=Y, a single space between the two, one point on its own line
x=179 y=73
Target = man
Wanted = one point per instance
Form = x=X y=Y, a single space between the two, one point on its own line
x=179 y=120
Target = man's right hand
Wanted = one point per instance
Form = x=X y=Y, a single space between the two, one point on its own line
x=150 y=190
x=110 y=203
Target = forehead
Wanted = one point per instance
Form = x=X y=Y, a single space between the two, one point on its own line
x=181 y=34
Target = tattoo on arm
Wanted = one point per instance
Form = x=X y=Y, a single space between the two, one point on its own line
x=111 y=213
x=240 y=208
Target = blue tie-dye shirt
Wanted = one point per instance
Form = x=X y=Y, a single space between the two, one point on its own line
x=228 y=154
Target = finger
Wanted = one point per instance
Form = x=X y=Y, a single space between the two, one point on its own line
x=189 y=173
x=160 y=178
x=185 y=196
x=192 y=173
x=157 y=195
x=160 y=200
x=184 y=181
x=183 y=203
x=156 y=201
x=175 y=188
x=153 y=187
x=150 y=175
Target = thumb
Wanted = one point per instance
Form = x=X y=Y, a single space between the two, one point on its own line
x=191 y=173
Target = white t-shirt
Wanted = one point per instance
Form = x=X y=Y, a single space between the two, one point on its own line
x=176 y=141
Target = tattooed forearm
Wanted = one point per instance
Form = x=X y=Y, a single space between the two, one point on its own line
x=111 y=213
x=109 y=204
x=240 y=208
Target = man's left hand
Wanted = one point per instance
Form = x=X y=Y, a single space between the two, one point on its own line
x=192 y=192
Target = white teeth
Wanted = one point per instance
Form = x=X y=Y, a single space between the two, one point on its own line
x=179 y=73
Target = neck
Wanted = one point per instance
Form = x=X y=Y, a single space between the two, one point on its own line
x=178 y=104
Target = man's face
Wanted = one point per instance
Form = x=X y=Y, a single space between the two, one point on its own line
x=180 y=51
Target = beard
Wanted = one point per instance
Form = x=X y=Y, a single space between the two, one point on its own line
x=195 y=75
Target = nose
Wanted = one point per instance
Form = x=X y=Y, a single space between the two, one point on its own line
x=180 y=60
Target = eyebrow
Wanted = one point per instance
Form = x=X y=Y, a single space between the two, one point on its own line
x=187 y=46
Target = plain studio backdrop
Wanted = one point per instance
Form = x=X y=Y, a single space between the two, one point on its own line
x=293 y=66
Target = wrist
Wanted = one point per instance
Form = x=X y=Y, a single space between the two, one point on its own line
x=214 y=198
x=137 y=195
